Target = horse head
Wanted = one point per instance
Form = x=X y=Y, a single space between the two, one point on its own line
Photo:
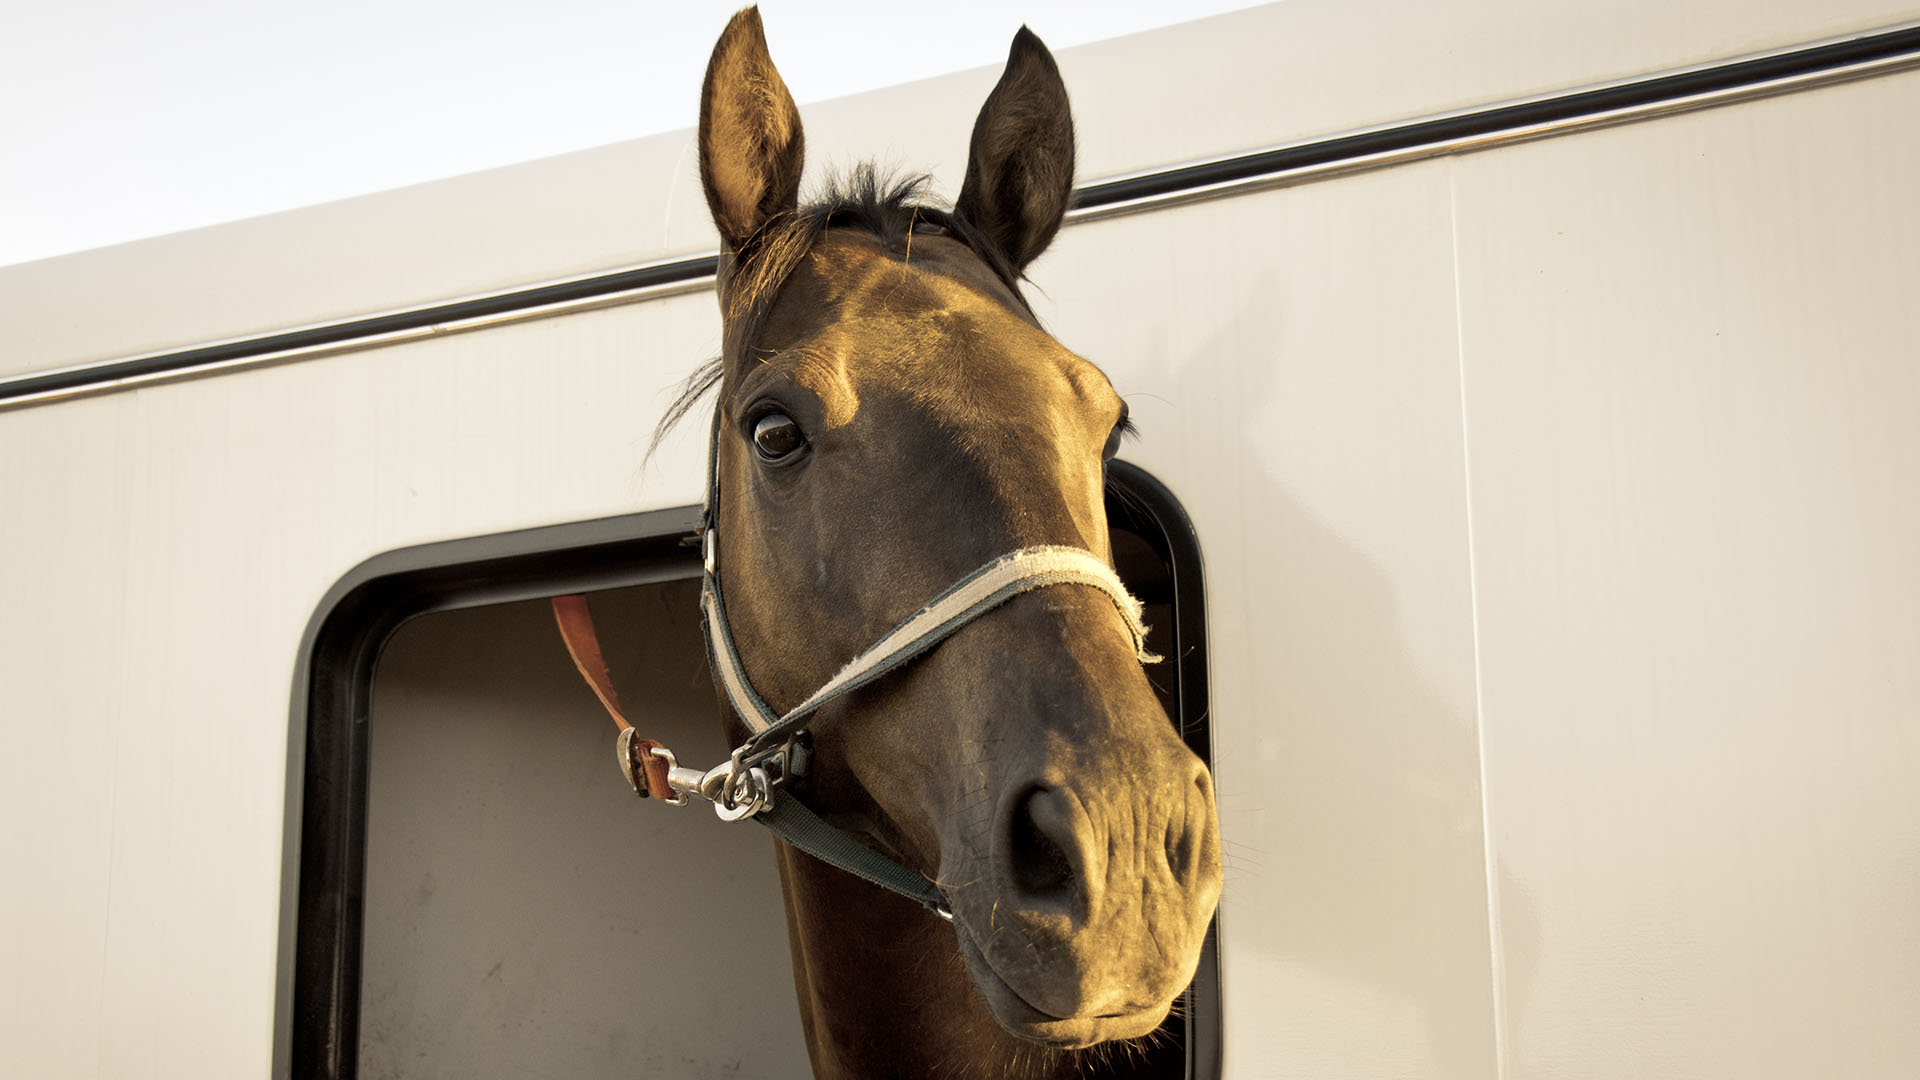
x=891 y=416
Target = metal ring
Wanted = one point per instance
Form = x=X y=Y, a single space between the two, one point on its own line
x=744 y=795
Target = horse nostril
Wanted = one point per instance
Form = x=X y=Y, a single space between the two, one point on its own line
x=1187 y=831
x=1040 y=837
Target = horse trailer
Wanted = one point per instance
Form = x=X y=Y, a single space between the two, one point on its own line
x=1526 y=498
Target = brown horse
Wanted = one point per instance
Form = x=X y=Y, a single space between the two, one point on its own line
x=890 y=417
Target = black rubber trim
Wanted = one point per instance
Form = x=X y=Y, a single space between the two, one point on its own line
x=1172 y=181
x=332 y=706
x=1483 y=122
x=1142 y=505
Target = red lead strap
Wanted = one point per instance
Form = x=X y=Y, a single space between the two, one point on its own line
x=648 y=774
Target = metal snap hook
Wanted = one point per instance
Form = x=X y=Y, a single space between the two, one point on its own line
x=684 y=781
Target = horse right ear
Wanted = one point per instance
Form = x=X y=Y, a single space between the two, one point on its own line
x=1020 y=166
x=751 y=148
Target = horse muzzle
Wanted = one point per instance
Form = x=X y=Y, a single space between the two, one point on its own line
x=1098 y=904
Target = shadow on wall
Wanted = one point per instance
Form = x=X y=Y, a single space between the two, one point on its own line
x=1361 y=887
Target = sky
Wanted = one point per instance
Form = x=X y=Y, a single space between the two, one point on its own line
x=122 y=119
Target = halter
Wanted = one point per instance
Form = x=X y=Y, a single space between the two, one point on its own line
x=748 y=783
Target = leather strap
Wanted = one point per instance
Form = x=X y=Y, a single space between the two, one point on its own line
x=788 y=818
x=645 y=770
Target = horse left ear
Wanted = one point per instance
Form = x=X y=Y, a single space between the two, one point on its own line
x=751 y=145
x=1020 y=166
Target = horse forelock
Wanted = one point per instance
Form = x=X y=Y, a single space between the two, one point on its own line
x=750 y=279
x=888 y=208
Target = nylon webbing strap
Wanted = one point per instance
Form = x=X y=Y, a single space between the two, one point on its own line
x=792 y=821
x=725 y=660
x=969 y=598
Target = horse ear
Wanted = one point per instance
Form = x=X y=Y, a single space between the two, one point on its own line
x=1020 y=167
x=751 y=147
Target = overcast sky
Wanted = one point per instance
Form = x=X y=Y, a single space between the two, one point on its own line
x=121 y=119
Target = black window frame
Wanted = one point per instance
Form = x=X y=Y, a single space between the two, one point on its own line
x=317 y=1022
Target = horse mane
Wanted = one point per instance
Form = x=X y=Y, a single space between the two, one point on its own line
x=888 y=207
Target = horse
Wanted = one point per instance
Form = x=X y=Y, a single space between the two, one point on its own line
x=891 y=415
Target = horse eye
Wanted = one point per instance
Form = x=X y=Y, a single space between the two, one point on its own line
x=777 y=437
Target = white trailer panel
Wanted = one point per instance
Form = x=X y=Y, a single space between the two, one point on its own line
x=1557 y=500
